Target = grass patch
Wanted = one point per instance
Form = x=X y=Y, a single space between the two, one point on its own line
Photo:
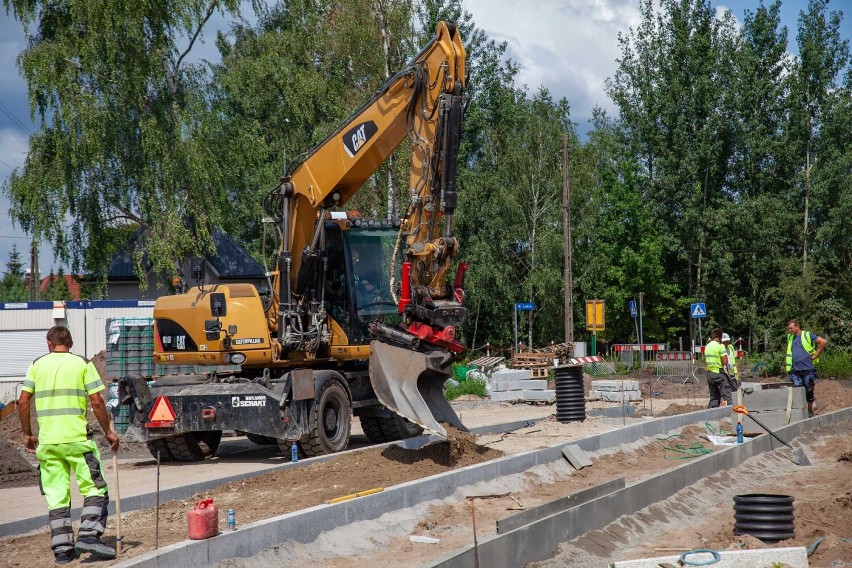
x=470 y=386
x=835 y=366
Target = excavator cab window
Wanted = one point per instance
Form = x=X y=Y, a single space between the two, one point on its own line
x=357 y=284
x=370 y=253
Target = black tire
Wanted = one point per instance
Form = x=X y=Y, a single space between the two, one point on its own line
x=160 y=445
x=330 y=421
x=211 y=439
x=185 y=447
x=380 y=429
x=261 y=440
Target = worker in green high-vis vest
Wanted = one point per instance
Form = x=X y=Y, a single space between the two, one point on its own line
x=62 y=385
x=716 y=361
x=803 y=350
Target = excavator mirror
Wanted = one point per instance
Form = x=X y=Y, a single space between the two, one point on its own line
x=217 y=305
x=197 y=268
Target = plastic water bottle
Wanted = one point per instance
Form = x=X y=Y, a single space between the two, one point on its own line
x=294 y=452
x=739 y=432
x=232 y=520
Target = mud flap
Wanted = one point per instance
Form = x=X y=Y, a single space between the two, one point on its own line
x=411 y=383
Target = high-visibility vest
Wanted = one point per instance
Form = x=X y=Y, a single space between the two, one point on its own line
x=806 y=343
x=713 y=356
x=732 y=359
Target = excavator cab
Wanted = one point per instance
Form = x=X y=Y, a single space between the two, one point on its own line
x=358 y=279
x=407 y=378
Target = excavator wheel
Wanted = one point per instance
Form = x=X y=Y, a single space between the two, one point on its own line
x=160 y=445
x=211 y=439
x=186 y=447
x=381 y=429
x=330 y=421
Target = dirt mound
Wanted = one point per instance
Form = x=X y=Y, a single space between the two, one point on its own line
x=832 y=394
x=99 y=361
x=459 y=450
x=15 y=471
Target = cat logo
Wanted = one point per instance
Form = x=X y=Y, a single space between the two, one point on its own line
x=355 y=138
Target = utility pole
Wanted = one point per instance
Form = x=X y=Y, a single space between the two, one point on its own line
x=34 y=279
x=567 y=248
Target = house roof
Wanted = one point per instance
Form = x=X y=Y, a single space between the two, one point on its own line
x=230 y=261
x=73 y=285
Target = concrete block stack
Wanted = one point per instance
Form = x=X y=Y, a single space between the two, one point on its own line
x=612 y=390
x=774 y=404
x=516 y=385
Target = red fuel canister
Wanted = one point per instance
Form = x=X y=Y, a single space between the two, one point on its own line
x=203 y=520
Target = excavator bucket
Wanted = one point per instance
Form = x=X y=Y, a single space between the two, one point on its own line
x=411 y=383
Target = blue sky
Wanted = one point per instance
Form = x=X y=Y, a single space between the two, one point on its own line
x=569 y=46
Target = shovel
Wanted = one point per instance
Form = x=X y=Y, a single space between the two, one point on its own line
x=799 y=457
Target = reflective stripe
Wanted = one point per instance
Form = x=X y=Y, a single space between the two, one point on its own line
x=60 y=523
x=28 y=384
x=96 y=511
x=60 y=412
x=61 y=538
x=93 y=385
x=60 y=392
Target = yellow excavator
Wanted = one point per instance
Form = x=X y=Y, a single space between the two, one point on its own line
x=358 y=317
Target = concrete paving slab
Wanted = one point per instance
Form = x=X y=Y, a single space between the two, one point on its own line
x=774 y=399
x=613 y=396
x=536 y=513
x=576 y=457
x=793 y=557
x=511 y=375
x=615 y=385
x=528 y=384
x=772 y=419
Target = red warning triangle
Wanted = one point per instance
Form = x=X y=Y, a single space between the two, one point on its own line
x=162 y=410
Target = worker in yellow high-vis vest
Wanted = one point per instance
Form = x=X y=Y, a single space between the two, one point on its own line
x=62 y=384
x=716 y=360
x=803 y=350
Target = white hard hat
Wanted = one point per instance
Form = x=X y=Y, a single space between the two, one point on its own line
x=726 y=337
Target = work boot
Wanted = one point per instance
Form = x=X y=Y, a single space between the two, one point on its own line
x=96 y=547
x=65 y=558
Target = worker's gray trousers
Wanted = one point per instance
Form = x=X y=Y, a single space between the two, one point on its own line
x=720 y=389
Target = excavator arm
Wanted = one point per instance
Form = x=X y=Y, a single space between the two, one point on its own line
x=423 y=102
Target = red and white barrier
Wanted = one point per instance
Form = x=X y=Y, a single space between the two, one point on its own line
x=586 y=360
x=636 y=347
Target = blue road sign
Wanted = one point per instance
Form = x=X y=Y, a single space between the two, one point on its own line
x=698 y=310
x=633 y=312
x=525 y=306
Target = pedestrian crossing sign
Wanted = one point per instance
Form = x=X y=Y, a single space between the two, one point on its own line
x=698 y=310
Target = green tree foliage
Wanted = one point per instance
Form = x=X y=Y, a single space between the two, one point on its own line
x=120 y=140
x=12 y=287
x=57 y=287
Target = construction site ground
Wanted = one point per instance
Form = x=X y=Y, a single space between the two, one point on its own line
x=279 y=492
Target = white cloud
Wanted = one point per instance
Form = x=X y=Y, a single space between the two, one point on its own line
x=568 y=46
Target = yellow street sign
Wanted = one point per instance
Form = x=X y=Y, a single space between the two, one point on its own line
x=595 y=320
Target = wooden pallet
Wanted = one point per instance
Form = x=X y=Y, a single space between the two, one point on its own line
x=539 y=372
